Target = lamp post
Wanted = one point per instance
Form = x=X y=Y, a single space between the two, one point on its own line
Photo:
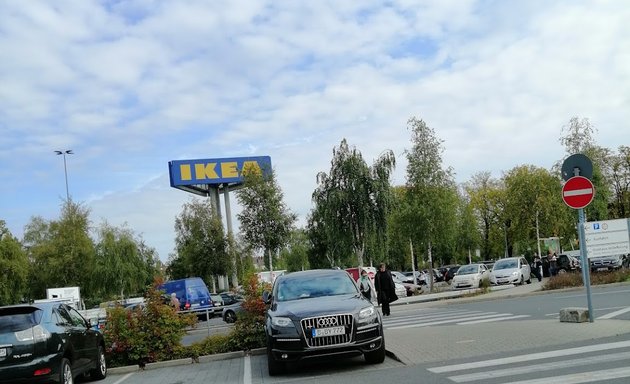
x=65 y=169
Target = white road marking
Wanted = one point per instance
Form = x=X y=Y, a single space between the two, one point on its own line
x=123 y=378
x=422 y=319
x=454 y=320
x=540 y=367
x=247 y=370
x=530 y=357
x=492 y=320
x=614 y=314
x=593 y=294
x=580 y=378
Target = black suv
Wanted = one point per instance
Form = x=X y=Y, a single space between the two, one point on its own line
x=566 y=263
x=320 y=313
x=48 y=342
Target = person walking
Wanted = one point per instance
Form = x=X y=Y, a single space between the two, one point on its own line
x=537 y=267
x=385 y=288
x=175 y=302
x=365 y=285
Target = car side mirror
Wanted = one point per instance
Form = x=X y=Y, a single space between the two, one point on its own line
x=266 y=297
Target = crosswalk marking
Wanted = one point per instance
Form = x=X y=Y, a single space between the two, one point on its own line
x=438 y=316
x=530 y=357
x=447 y=321
x=495 y=319
x=542 y=367
x=580 y=378
x=614 y=314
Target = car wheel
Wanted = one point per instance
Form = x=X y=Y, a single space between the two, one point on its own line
x=100 y=372
x=522 y=280
x=65 y=373
x=229 y=317
x=376 y=357
x=275 y=367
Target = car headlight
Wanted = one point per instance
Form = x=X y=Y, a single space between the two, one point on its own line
x=366 y=313
x=515 y=273
x=283 y=322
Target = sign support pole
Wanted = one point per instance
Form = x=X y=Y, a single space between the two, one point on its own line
x=586 y=266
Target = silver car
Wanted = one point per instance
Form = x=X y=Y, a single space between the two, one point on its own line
x=512 y=270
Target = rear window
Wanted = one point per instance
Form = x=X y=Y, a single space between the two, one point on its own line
x=17 y=319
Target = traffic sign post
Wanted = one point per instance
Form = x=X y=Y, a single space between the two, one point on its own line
x=577 y=193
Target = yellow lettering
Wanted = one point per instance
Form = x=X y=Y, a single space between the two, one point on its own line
x=229 y=169
x=205 y=171
x=184 y=170
x=251 y=167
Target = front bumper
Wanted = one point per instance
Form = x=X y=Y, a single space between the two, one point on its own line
x=291 y=349
x=504 y=280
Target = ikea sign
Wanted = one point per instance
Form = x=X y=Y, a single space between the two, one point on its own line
x=216 y=171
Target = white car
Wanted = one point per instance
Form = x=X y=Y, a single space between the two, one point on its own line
x=470 y=276
x=512 y=270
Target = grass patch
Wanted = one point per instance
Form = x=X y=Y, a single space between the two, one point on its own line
x=574 y=279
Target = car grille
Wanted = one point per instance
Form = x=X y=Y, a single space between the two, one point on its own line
x=324 y=322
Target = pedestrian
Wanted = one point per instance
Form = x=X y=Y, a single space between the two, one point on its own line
x=553 y=263
x=537 y=267
x=385 y=288
x=365 y=285
x=175 y=302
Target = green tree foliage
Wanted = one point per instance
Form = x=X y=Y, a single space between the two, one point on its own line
x=61 y=251
x=14 y=268
x=468 y=237
x=432 y=194
x=124 y=265
x=532 y=191
x=487 y=196
x=265 y=221
x=352 y=202
x=295 y=256
x=618 y=174
x=200 y=243
x=578 y=137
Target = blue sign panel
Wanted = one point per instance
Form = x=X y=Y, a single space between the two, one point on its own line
x=216 y=171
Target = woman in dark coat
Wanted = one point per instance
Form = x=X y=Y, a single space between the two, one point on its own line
x=385 y=288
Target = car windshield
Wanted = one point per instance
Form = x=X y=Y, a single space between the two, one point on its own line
x=505 y=264
x=304 y=288
x=467 y=270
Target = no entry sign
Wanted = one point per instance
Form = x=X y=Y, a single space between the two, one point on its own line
x=578 y=192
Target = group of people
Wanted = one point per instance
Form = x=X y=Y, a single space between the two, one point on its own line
x=383 y=287
x=538 y=266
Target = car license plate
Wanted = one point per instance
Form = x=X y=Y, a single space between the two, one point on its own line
x=332 y=331
x=501 y=280
x=601 y=269
x=3 y=352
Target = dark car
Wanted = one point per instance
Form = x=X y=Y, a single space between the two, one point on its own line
x=567 y=263
x=608 y=263
x=46 y=342
x=320 y=314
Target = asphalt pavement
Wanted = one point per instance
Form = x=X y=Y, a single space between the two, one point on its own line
x=435 y=344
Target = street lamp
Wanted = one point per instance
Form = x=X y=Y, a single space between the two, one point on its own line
x=65 y=169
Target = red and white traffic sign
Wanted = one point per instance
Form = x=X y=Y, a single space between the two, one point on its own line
x=578 y=192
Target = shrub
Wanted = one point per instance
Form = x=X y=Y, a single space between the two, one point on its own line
x=249 y=330
x=574 y=279
x=145 y=335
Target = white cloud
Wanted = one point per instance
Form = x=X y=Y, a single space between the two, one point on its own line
x=131 y=85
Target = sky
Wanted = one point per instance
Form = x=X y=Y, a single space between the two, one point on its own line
x=130 y=85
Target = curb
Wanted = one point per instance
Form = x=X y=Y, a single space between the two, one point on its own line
x=186 y=361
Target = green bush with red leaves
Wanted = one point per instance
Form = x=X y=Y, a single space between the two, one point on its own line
x=574 y=279
x=145 y=335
